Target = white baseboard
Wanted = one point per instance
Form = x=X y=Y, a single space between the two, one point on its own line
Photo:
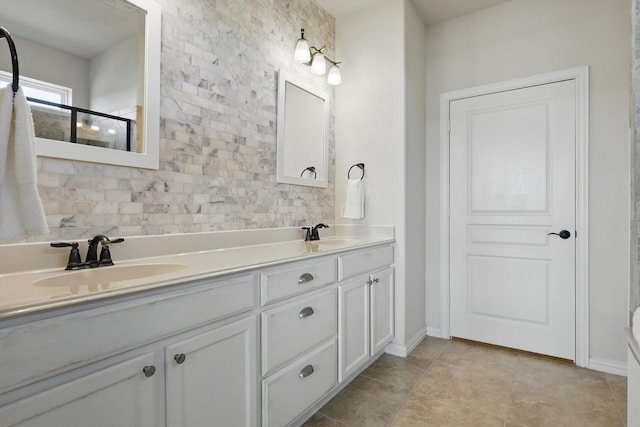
x=404 y=350
x=609 y=366
x=434 y=332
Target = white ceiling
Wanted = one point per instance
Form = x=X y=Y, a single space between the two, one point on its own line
x=431 y=11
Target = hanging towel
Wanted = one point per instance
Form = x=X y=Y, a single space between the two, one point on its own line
x=21 y=209
x=354 y=201
x=635 y=324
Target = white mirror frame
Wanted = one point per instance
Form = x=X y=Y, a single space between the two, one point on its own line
x=322 y=179
x=149 y=159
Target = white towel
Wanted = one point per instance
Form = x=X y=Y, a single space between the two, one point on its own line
x=635 y=324
x=21 y=209
x=354 y=201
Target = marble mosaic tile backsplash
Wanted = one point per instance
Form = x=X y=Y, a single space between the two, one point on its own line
x=219 y=65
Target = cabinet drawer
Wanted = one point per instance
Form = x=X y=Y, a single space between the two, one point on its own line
x=282 y=282
x=291 y=391
x=77 y=339
x=292 y=329
x=364 y=261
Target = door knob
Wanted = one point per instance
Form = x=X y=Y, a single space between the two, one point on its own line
x=564 y=234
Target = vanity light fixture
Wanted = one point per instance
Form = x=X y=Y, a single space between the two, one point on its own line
x=318 y=63
x=333 y=77
x=314 y=57
x=302 y=53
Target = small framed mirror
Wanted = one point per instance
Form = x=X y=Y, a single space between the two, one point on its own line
x=302 y=133
x=91 y=72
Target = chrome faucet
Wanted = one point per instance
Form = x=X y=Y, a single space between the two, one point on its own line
x=312 y=232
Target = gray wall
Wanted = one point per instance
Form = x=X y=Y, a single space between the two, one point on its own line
x=380 y=121
x=51 y=65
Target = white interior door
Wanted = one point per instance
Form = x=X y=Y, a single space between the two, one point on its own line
x=512 y=182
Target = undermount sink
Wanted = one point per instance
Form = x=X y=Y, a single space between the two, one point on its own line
x=335 y=242
x=104 y=276
x=328 y=244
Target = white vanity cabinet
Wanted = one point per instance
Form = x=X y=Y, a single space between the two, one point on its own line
x=188 y=352
x=365 y=308
x=266 y=345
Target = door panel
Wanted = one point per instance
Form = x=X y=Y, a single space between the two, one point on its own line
x=119 y=395
x=382 y=315
x=213 y=383
x=513 y=182
x=524 y=283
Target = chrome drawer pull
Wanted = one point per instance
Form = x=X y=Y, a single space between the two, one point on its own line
x=180 y=358
x=306 y=371
x=305 y=312
x=306 y=277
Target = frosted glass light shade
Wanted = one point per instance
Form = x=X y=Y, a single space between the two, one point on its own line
x=334 y=78
x=318 y=64
x=302 y=53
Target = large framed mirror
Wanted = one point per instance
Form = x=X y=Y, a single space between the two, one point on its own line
x=302 y=133
x=91 y=72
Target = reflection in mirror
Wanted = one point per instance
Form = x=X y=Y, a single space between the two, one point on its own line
x=90 y=70
x=302 y=133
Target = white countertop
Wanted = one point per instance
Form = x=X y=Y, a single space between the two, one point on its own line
x=21 y=294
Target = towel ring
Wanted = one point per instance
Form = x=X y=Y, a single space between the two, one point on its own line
x=310 y=169
x=361 y=166
x=14 y=57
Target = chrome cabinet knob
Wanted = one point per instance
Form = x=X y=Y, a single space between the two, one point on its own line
x=148 y=371
x=306 y=277
x=305 y=312
x=180 y=358
x=306 y=371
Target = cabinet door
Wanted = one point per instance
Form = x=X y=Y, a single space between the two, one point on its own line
x=120 y=395
x=382 y=313
x=211 y=377
x=353 y=326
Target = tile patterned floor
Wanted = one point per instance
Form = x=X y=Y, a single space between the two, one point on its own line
x=458 y=383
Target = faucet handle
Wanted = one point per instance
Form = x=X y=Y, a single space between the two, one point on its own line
x=105 y=253
x=75 y=261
